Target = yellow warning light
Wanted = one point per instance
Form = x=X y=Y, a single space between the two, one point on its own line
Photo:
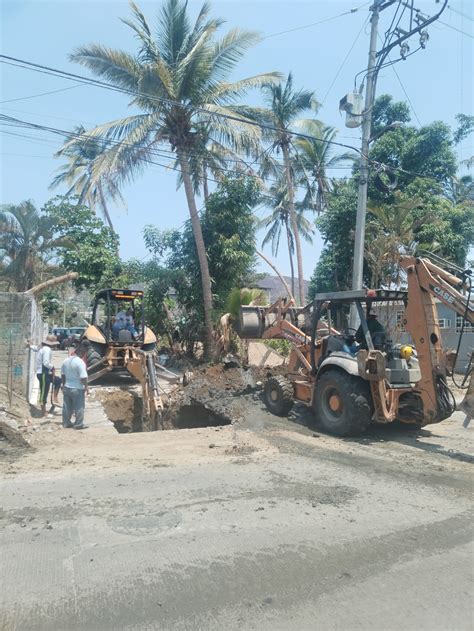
x=406 y=352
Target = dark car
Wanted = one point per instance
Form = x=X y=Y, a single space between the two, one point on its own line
x=62 y=335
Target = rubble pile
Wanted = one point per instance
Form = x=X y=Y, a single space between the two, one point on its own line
x=207 y=400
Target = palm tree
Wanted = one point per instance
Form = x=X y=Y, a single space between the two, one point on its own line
x=27 y=245
x=180 y=72
x=278 y=222
x=284 y=107
x=314 y=158
x=82 y=152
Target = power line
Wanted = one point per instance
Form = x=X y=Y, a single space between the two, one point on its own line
x=26 y=124
x=20 y=63
x=34 y=96
x=305 y=26
x=457 y=29
x=71 y=135
x=406 y=94
x=392 y=64
x=22 y=155
x=463 y=15
x=343 y=62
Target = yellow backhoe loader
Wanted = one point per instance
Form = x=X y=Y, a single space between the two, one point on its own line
x=120 y=340
x=350 y=385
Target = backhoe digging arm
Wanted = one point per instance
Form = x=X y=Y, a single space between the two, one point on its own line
x=427 y=282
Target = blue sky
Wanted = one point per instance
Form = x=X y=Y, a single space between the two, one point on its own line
x=437 y=80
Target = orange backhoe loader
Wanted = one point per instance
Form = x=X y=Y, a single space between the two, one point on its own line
x=349 y=385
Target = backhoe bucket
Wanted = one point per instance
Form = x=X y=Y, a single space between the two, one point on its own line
x=251 y=324
x=254 y=321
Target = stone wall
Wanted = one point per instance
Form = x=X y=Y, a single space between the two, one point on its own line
x=20 y=320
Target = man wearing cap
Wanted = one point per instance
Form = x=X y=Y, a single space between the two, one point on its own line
x=74 y=379
x=44 y=367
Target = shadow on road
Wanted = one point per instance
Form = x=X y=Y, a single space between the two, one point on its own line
x=302 y=419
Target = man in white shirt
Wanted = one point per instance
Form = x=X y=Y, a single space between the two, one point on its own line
x=44 y=367
x=74 y=379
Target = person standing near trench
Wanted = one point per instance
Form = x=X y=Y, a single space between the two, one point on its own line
x=74 y=380
x=44 y=367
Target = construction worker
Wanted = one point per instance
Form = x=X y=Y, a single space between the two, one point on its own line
x=44 y=367
x=376 y=330
x=74 y=380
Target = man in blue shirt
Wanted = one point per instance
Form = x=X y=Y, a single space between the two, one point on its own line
x=74 y=380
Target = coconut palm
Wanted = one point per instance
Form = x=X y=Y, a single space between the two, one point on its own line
x=285 y=106
x=27 y=245
x=78 y=173
x=180 y=72
x=278 y=224
x=314 y=158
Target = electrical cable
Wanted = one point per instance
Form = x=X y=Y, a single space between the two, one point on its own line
x=34 y=96
x=154 y=152
x=339 y=70
x=463 y=15
x=456 y=29
x=406 y=94
x=305 y=26
x=20 y=63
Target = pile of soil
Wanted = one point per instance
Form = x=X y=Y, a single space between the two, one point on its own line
x=212 y=389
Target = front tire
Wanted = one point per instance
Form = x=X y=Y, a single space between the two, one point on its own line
x=342 y=403
x=278 y=395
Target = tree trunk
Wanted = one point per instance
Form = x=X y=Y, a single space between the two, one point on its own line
x=105 y=210
x=283 y=281
x=201 y=251
x=205 y=186
x=58 y=280
x=293 y=222
x=290 y=255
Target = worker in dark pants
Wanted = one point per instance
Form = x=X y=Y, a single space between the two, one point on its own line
x=74 y=379
x=44 y=367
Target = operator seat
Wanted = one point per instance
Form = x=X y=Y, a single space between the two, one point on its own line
x=124 y=336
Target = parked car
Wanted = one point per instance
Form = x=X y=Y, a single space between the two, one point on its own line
x=62 y=335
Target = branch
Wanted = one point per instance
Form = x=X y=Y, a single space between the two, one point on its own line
x=58 y=280
x=285 y=284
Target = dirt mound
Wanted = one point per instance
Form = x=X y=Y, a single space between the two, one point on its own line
x=206 y=401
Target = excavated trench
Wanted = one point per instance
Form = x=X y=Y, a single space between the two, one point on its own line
x=124 y=409
x=205 y=402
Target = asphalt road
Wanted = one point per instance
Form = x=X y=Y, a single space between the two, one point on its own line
x=297 y=532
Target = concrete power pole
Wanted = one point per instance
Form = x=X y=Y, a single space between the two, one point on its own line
x=357 y=272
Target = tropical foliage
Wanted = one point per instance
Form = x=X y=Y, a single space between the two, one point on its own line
x=420 y=206
x=285 y=107
x=180 y=72
x=228 y=227
x=83 y=153
x=27 y=246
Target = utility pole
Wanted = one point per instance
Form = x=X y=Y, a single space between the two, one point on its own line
x=417 y=23
x=357 y=271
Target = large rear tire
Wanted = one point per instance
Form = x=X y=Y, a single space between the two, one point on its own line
x=93 y=355
x=342 y=403
x=278 y=395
